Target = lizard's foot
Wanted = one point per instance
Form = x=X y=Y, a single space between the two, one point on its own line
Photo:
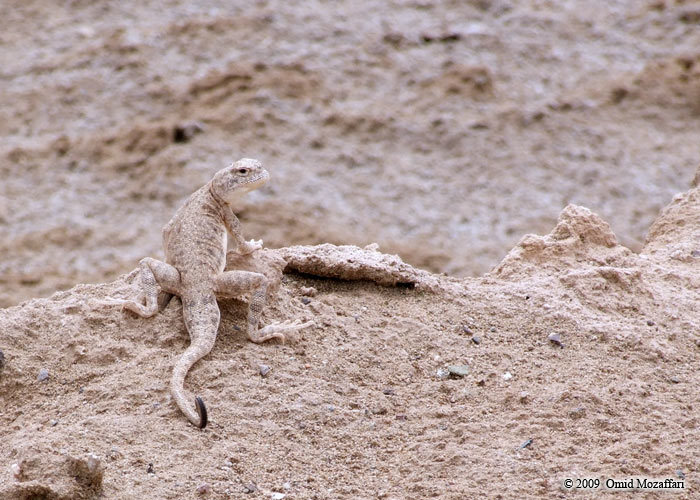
x=140 y=309
x=275 y=331
x=249 y=247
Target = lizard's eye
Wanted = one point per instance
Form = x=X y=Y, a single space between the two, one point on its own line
x=243 y=171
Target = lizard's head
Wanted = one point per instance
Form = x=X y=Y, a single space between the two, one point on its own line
x=241 y=177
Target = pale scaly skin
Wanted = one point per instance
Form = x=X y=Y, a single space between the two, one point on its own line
x=195 y=251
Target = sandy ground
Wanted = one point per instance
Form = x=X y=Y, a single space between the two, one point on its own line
x=361 y=405
x=444 y=132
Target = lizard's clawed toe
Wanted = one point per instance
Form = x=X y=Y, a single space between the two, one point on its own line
x=111 y=303
x=275 y=330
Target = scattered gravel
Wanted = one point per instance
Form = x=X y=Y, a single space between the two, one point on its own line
x=308 y=291
x=458 y=371
x=442 y=373
x=555 y=339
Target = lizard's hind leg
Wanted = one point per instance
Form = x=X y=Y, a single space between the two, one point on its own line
x=235 y=283
x=159 y=281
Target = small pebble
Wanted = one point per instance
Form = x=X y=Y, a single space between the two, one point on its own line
x=458 y=371
x=250 y=488
x=467 y=330
x=492 y=329
x=476 y=340
x=577 y=413
x=389 y=391
x=695 y=253
x=264 y=370
x=16 y=470
x=276 y=495
x=650 y=323
x=555 y=339
x=203 y=488
x=150 y=469
x=43 y=375
x=2 y=360
x=93 y=462
x=507 y=376
x=675 y=380
x=54 y=423
x=401 y=416
x=526 y=443
x=305 y=300
x=442 y=373
x=287 y=486
x=308 y=291
x=524 y=397
x=680 y=474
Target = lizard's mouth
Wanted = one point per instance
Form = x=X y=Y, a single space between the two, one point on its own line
x=257 y=181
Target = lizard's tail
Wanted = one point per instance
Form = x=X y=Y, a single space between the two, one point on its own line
x=201 y=315
x=198 y=414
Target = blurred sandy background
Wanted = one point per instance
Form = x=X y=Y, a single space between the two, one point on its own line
x=443 y=131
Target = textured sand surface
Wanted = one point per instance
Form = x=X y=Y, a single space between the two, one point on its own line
x=360 y=406
x=443 y=131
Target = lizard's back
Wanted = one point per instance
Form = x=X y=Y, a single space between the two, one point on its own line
x=195 y=240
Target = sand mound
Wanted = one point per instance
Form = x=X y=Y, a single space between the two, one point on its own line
x=348 y=262
x=362 y=405
x=579 y=235
x=676 y=232
x=53 y=475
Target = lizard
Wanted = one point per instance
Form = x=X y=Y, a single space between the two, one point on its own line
x=195 y=245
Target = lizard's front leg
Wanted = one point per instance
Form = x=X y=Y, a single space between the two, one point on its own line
x=233 y=225
x=156 y=276
x=236 y=283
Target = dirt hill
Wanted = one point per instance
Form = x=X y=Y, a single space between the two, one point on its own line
x=575 y=358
